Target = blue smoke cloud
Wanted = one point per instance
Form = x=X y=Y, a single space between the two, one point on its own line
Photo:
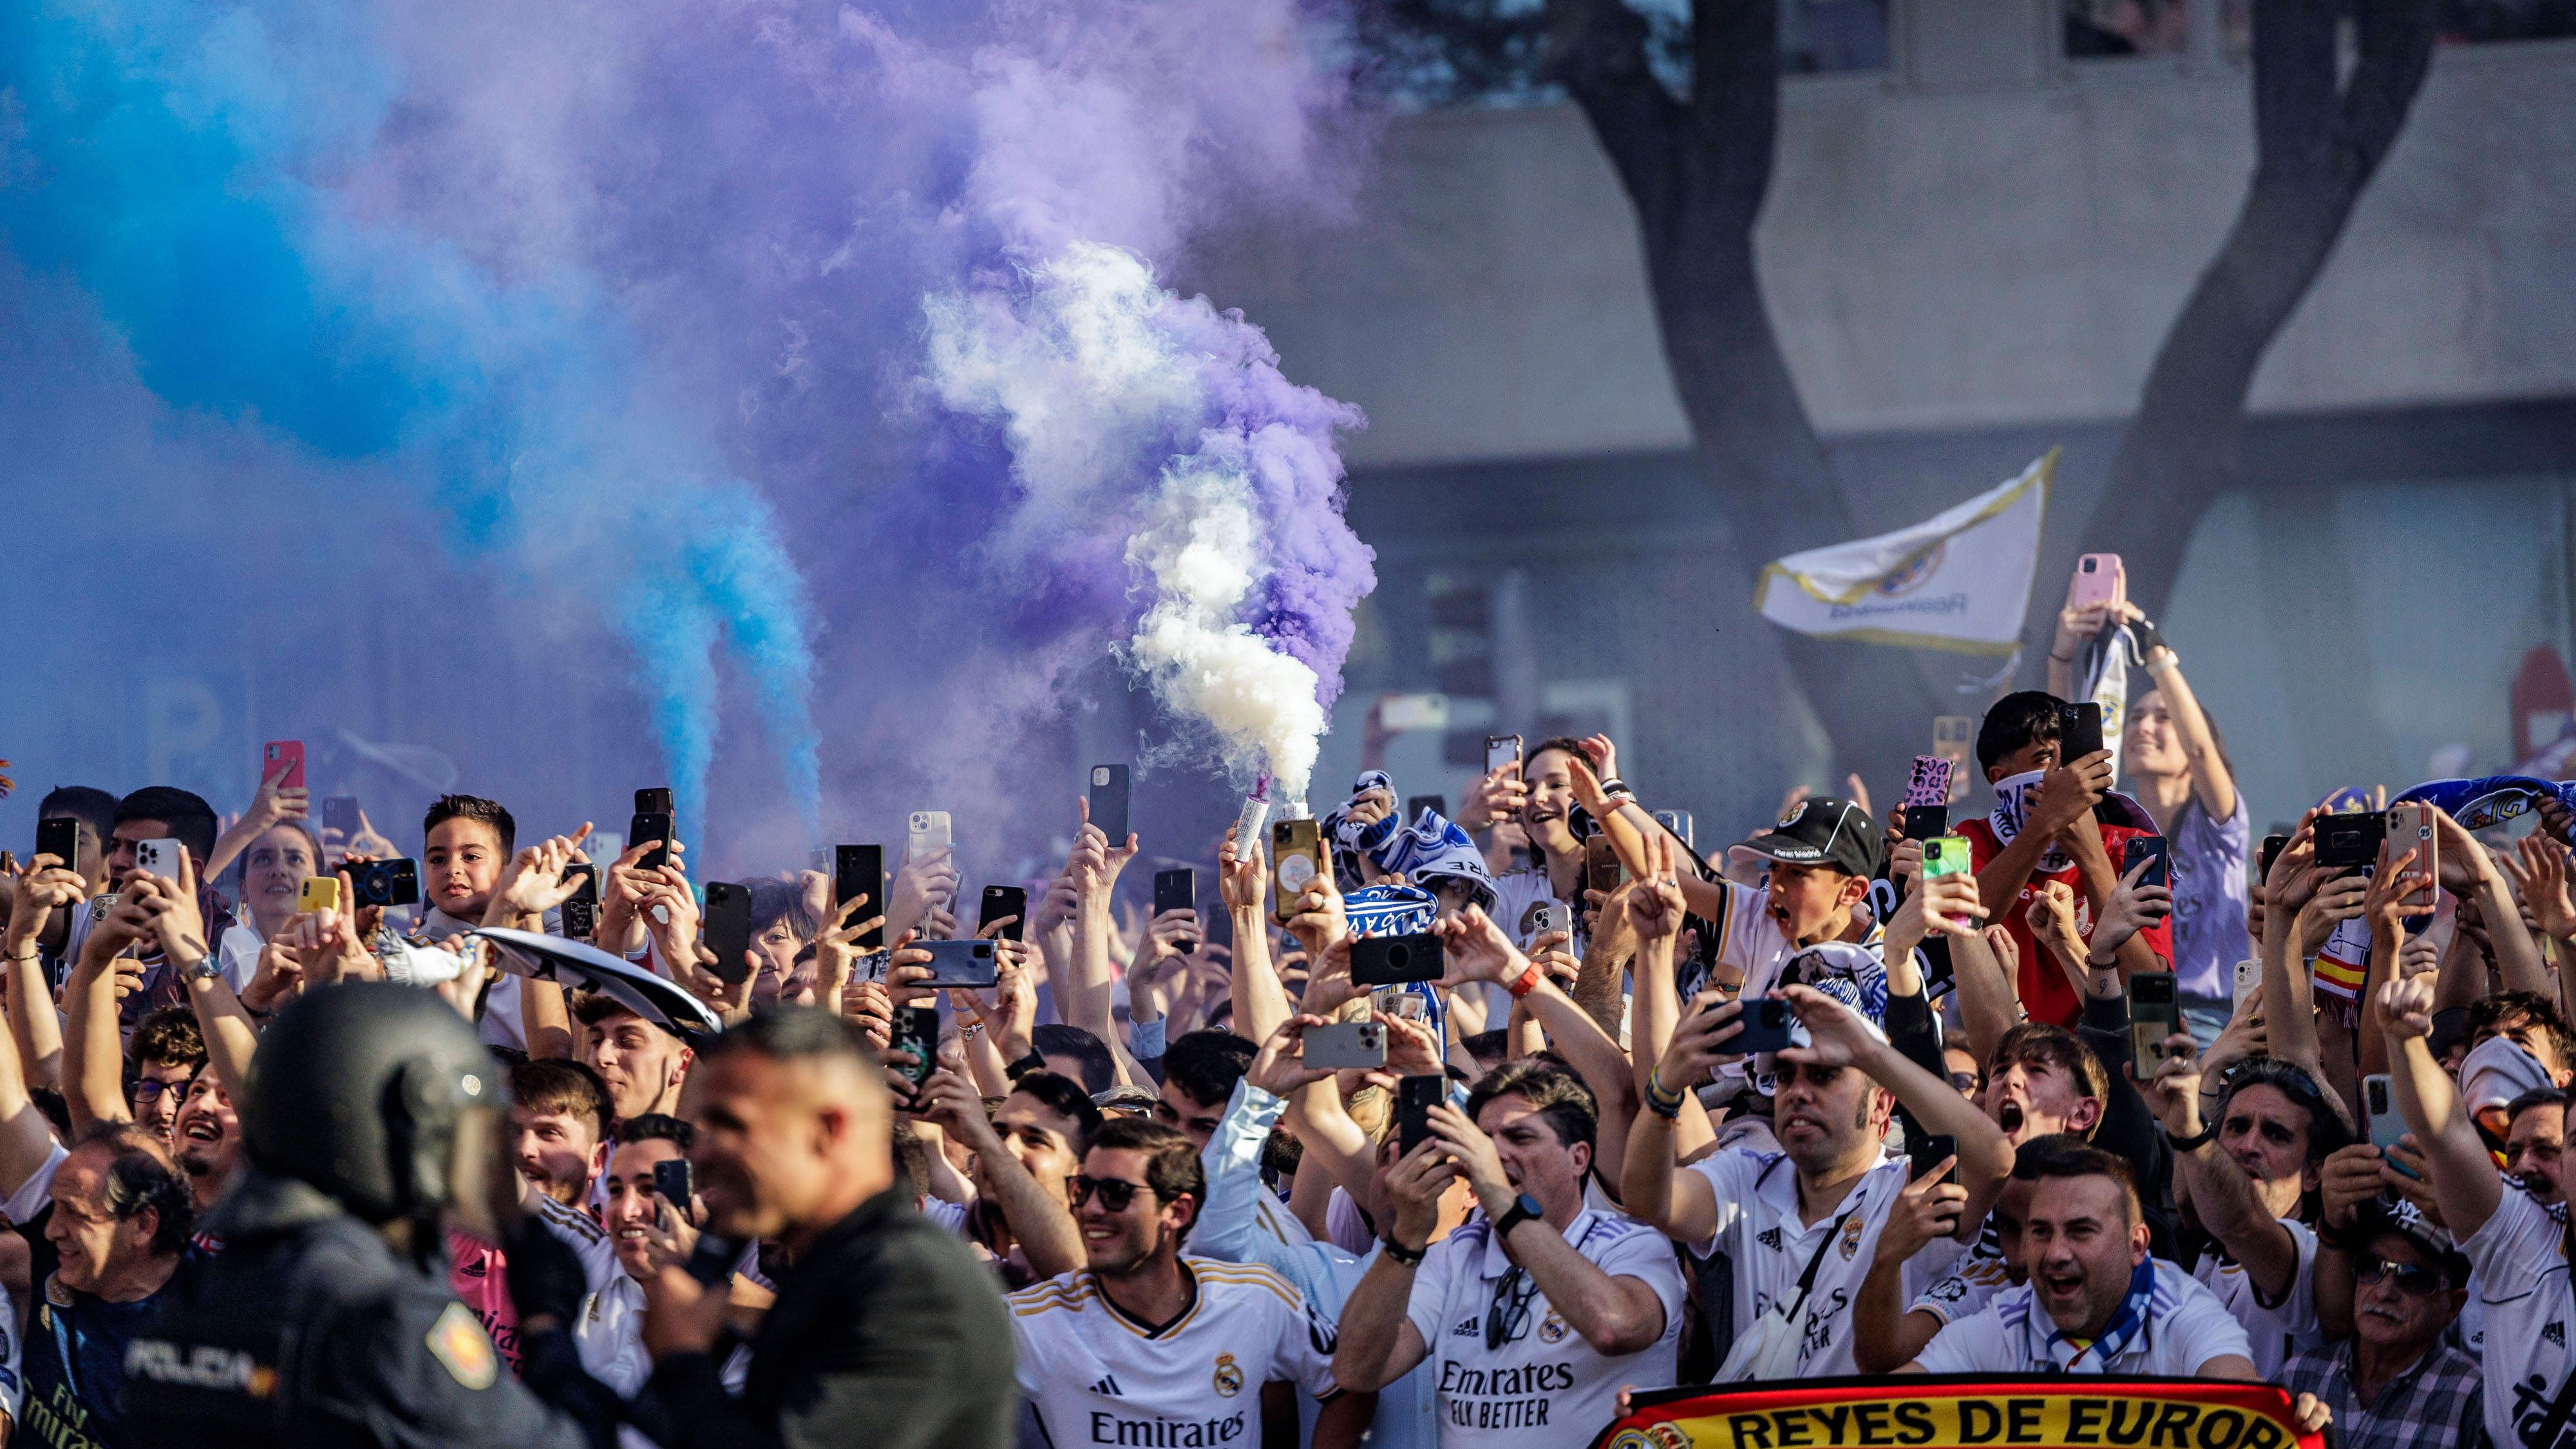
x=171 y=160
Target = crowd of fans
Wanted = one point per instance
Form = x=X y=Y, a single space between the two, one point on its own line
x=1560 y=1174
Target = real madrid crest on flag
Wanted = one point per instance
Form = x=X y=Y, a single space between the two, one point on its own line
x=1229 y=1379
x=1959 y=580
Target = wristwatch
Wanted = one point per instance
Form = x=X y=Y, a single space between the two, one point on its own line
x=1523 y=1208
x=206 y=969
x=1398 y=1253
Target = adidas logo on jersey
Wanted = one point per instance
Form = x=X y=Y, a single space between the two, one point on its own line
x=1466 y=1328
x=2555 y=1332
x=1108 y=1385
x=1769 y=1237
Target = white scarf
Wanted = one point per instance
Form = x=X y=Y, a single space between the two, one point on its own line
x=2013 y=797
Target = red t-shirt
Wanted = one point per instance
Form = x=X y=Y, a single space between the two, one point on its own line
x=2045 y=994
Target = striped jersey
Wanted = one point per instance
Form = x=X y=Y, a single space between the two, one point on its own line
x=1094 y=1375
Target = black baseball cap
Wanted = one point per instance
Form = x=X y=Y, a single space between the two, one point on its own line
x=1821 y=830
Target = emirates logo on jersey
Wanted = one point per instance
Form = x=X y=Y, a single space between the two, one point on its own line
x=1229 y=1379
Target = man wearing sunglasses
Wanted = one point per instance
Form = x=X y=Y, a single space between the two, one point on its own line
x=2253 y=1174
x=1144 y=1345
x=2396 y=1382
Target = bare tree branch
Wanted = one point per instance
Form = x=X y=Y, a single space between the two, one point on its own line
x=2317 y=147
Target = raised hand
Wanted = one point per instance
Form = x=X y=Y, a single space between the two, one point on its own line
x=1475 y=949
x=2406 y=1008
x=1926 y=1211
x=1497 y=795
x=539 y=877
x=1280 y=1067
x=46 y=888
x=2538 y=867
x=2388 y=899
x=1411 y=1048
x=2133 y=907
x=1655 y=906
x=1837 y=1036
x=2068 y=793
x=1240 y=879
x=1700 y=1042
x=275 y=804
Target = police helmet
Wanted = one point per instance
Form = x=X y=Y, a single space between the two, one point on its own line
x=362 y=1090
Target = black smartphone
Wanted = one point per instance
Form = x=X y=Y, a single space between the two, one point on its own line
x=654 y=800
x=1393 y=960
x=2273 y=845
x=1002 y=901
x=1177 y=890
x=59 y=837
x=1414 y=805
x=916 y=1030
x=1766 y=1021
x=2150 y=848
x=2350 y=841
x=1926 y=822
x=340 y=813
x=859 y=870
x=2079 y=731
x=384 y=883
x=671 y=1180
x=651 y=827
x=581 y=908
x=1414 y=1099
x=1925 y=1151
x=1109 y=802
x=728 y=929
x=2154 y=1014
x=965 y=964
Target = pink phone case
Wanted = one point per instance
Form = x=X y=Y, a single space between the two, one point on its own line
x=291 y=752
x=2101 y=585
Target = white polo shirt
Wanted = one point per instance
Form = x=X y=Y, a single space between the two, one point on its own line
x=2186 y=1327
x=1543 y=1386
x=2520 y=1260
x=1093 y=1375
x=2279 y=1329
x=1759 y=1230
x=610 y=1331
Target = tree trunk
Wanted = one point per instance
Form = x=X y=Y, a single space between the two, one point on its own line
x=2316 y=148
x=1697 y=172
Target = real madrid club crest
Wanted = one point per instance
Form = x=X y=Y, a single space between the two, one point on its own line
x=1785 y=821
x=1552 y=1328
x=1852 y=1229
x=1229 y=1379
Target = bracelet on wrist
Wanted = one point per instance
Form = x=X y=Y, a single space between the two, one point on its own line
x=1399 y=1254
x=1661 y=1100
x=1527 y=983
x=2194 y=1143
x=2061 y=658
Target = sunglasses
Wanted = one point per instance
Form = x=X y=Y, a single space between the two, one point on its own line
x=1507 y=1318
x=1115 y=1192
x=2412 y=1278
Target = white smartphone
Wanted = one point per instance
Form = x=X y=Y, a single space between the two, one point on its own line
x=2249 y=974
x=929 y=833
x=160 y=857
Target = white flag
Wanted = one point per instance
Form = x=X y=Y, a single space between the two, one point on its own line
x=1957 y=581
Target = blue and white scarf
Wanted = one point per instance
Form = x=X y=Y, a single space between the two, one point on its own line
x=1400 y=910
x=1429 y=847
x=2116 y=1336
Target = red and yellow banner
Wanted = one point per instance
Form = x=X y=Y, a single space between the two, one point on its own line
x=2011 y=1411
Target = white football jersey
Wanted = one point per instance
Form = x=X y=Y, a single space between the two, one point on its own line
x=1093 y=1375
x=2521 y=1284
x=2277 y=1330
x=610 y=1332
x=1542 y=1386
x=1760 y=1232
x=2186 y=1327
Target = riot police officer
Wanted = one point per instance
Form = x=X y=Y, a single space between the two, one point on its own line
x=371 y=1110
